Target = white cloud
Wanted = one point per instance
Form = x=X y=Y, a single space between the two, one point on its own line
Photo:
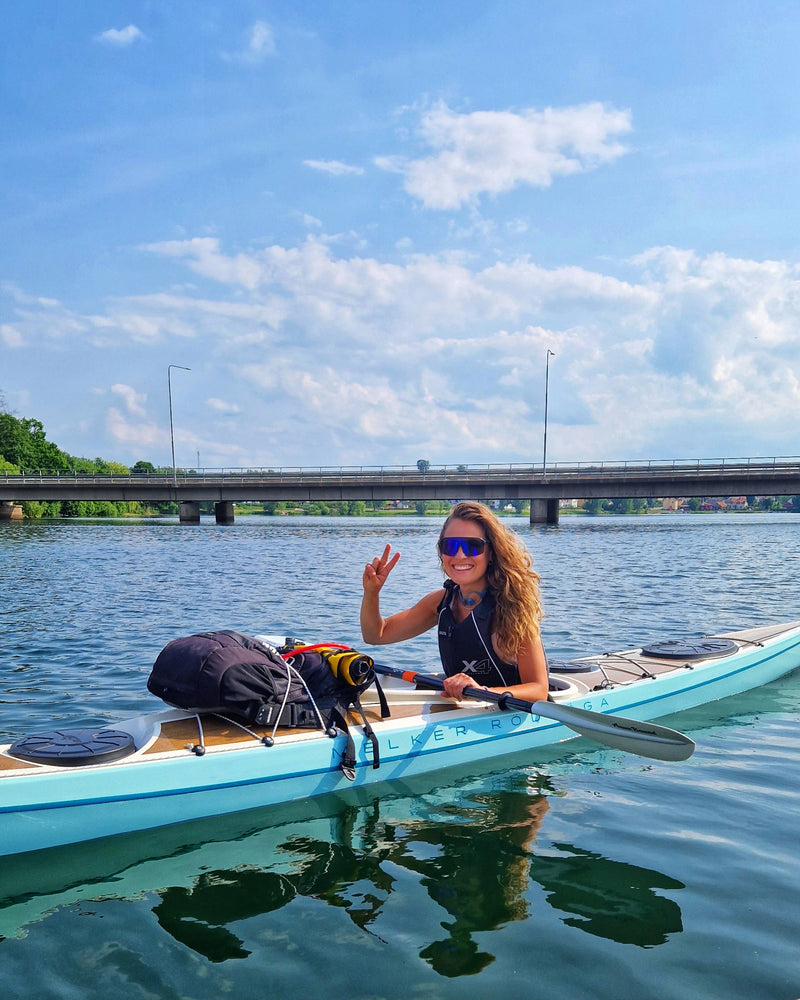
x=10 y=335
x=259 y=46
x=205 y=258
x=134 y=401
x=345 y=359
x=717 y=309
x=334 y=167
x=38 y=318
x=360 y=296
x=144 y=436
x=155 y=318
x=221 y=406
x=490 y=152
x=121 y=37
x=262 y=41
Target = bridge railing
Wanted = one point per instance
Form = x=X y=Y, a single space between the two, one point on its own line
x=645 y=468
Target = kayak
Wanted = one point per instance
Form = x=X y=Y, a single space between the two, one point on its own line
x=172 y=766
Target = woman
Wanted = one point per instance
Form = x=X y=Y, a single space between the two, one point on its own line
x=487 y=612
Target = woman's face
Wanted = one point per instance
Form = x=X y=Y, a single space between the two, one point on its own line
x=466 y=568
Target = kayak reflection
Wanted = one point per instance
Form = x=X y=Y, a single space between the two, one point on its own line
x=475 y=860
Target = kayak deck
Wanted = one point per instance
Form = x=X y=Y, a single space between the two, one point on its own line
x=176 y=732
x=211 y=731
x=610 y=670
x=218 y=730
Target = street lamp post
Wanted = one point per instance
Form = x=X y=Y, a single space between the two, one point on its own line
x=546 y=390
x=171 y=431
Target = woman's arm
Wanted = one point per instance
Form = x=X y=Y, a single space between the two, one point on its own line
x=379 y=631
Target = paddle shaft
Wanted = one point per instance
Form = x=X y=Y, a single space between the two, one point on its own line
x=504 y=700
x=643 y=738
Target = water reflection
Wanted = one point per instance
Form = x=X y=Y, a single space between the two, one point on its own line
x=479 y=858
x=479 y=869
x=610 y=899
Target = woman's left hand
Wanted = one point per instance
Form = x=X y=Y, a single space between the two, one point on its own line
x=454 y=686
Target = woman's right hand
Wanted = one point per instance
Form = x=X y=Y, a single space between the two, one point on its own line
x=377 y=571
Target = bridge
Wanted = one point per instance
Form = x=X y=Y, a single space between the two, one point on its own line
x=544 y=487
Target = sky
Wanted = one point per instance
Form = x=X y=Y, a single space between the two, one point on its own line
x=363 y=225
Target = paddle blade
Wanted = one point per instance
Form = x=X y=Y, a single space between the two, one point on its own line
x=643 y=738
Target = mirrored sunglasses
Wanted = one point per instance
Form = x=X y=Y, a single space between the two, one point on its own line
x=469 y=546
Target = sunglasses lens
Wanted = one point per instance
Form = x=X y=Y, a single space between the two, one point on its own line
x=469 y=546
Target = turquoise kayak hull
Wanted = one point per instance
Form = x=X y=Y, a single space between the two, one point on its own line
x=158 y=784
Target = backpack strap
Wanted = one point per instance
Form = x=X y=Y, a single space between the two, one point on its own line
x=369 y=733
x=293 y=715
x=338 y=717
x=385 y=712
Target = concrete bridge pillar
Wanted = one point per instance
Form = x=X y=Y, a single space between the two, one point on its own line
x=10 y=511
x=223 y=511
x=189 y=512
x=544 y=511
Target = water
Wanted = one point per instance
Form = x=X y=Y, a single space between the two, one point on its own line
x=584 y=874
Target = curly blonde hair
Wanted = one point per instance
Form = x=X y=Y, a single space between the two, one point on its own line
x=511 y=577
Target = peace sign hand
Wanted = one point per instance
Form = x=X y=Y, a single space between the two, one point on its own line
x=377 y=571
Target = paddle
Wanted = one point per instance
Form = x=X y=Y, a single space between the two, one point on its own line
x=643 y=738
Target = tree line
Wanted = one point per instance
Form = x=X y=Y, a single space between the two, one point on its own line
x=24 y=448
x=621 y=505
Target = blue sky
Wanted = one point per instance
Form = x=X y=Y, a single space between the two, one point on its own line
x=362 y=225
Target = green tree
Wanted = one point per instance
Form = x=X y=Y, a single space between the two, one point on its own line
x=315 y=509
x=74 y=508
x=23 y=443
x=103 y=467
x=33 y=510
x=594 y=506
x=622 y=505
x=165 y=509
x=106 y=508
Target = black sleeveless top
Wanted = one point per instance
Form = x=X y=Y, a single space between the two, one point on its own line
x=466 y=647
